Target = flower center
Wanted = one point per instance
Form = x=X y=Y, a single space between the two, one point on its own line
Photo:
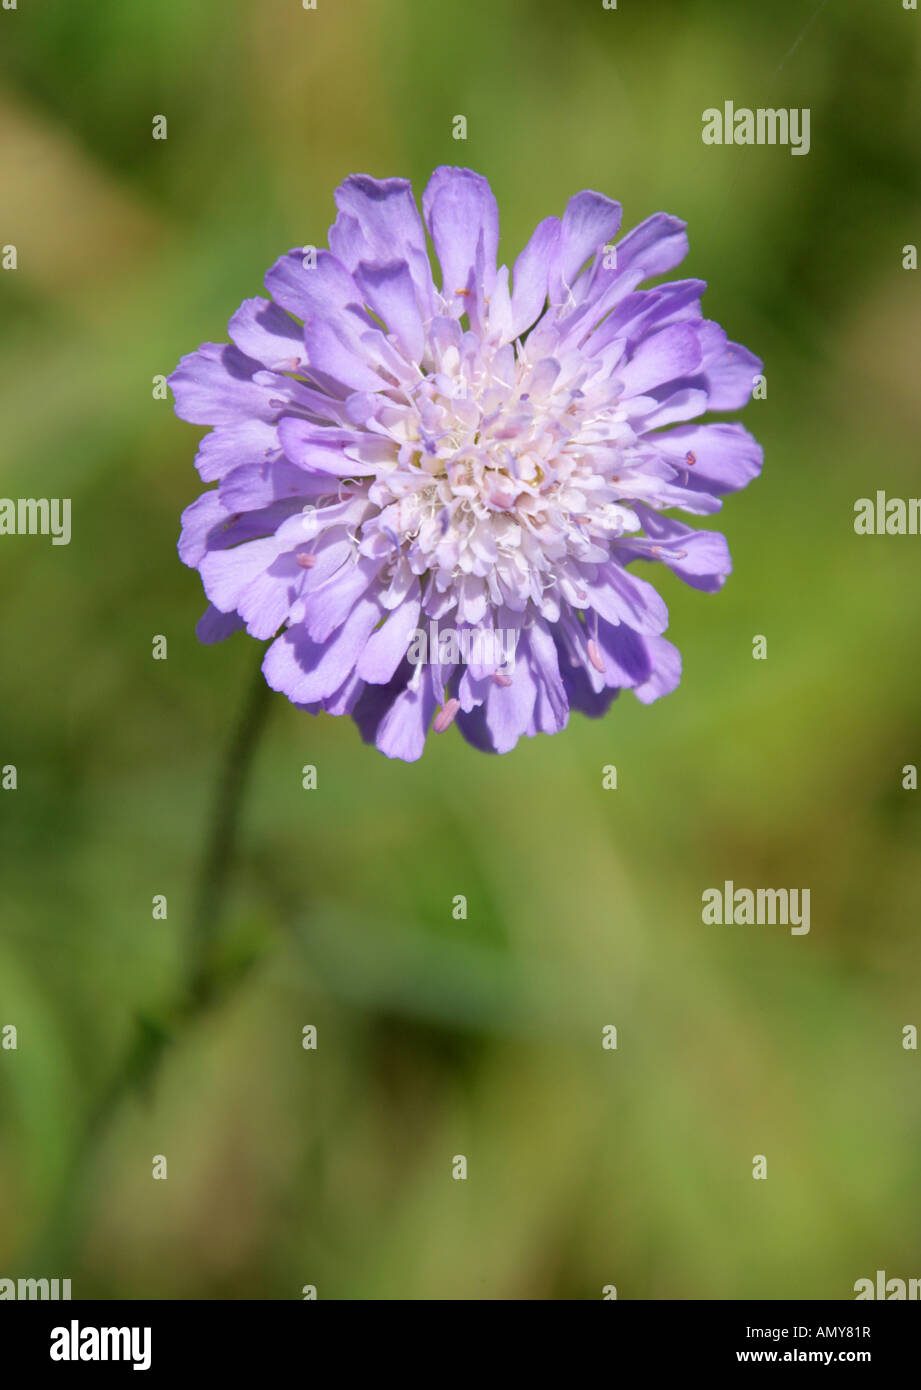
x=498 y=479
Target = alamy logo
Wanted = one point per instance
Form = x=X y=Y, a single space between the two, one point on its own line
x=76 y=1343
x=36 y=516
x=474 y=646
x=892 y=1289
x=34 y=1288
x=731 y=906
x=887 y=516
x=764 y=126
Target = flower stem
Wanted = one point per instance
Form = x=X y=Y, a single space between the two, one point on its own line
x=202 y=984
x=217 y=861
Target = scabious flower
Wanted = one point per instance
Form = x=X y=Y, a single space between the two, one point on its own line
x=477 y=460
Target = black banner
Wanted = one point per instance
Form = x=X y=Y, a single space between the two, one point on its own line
x=236 y=1338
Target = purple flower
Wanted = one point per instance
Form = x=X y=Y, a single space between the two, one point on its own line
x=432 y=495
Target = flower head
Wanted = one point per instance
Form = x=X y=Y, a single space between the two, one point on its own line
x=436 y=491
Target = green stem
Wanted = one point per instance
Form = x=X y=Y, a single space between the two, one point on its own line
x=199 y=989
x=214 y=877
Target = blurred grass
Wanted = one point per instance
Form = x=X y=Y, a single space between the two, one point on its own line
x=481 y=1037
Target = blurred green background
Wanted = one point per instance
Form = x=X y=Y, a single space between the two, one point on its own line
x=440 y=1037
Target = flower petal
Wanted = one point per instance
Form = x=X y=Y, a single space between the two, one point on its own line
x=663 y=357
x=390 y=291
x=401 y=732
x=589 y=223
x=462 y=215
x=263 y=331
x=387 y=646
x=307 y=671
x=214 y=386
x=379 y=221
x=531 y=276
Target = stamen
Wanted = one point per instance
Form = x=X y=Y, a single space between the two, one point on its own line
x=445 y=716
x=595 y=657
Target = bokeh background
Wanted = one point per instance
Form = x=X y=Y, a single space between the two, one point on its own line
x=440 y=1037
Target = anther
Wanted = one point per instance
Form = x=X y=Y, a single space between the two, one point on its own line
x=594 y=656
x=445 y=716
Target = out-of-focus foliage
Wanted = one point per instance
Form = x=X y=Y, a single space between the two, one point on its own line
x=440 y=1037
